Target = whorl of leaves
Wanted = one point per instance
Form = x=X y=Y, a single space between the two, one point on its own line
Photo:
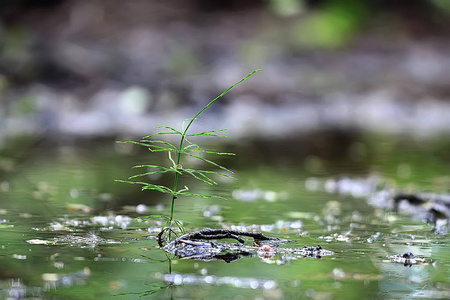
x=191 y=149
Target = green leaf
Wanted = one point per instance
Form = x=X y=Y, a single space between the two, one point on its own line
x=174 y=131
x=180 y=226
x=189 y=194
x=215 y=152
x=149 y=186
x=183 y=190
x=165 y=224
x=218 y=153
x=171 y=128
x=133 y=142
x=142 y=219
x=158 y=133
x=130 y=182
x=209 y=133
x=149 y=166
x=160 y=149
x=174 y=165
x=200 y=175
x=184 y=122
x=152 y=143
x=161 y=171
x=199 y=150
x=219 y=174
x=191 y=145
x=188 y=149
x=210 y=162
x=151 y=173
x=157 y=187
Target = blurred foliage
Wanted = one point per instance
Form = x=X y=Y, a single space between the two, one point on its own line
x=442 y=5
x=332 y=26
x=30 y=51
x=287 y=7
x=15 y=44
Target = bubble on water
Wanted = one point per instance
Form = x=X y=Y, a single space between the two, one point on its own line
x=338 y=273
x=258 y=194
x=4 y=186
x=254 y=284
x=74 y=193
x=267 y=228
x=270 y=196
x=238 y=282
x=296 y=224
x=211 y=211
x=209 y=279
x=246 y=195
x=177 y=279
x=102 y=220
x=270 y=284
x=330 y=185
x=141 y=208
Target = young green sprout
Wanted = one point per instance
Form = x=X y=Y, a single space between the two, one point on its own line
x=184 y=148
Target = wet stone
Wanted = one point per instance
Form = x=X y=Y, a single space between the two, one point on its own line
x=407 y=259
x=198 y=245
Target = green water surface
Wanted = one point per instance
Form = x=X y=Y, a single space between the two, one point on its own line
x=53 y=248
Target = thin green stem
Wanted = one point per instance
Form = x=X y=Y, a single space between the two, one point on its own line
x=175 y=183
x=212 y=101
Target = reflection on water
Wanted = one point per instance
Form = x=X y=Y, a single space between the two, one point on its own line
x=16 y=289
x=68 y=231
x=239 y=282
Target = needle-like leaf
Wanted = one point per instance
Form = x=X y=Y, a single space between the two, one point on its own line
x=200 y=175
x=209 y=133
x=210 y=162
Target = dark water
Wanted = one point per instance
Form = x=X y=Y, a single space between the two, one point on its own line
x=67 y=230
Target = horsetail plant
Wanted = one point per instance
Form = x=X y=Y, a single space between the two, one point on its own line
x=175 y=153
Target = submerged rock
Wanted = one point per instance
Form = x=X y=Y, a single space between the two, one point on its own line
x=197 y=245
x=407 y=259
